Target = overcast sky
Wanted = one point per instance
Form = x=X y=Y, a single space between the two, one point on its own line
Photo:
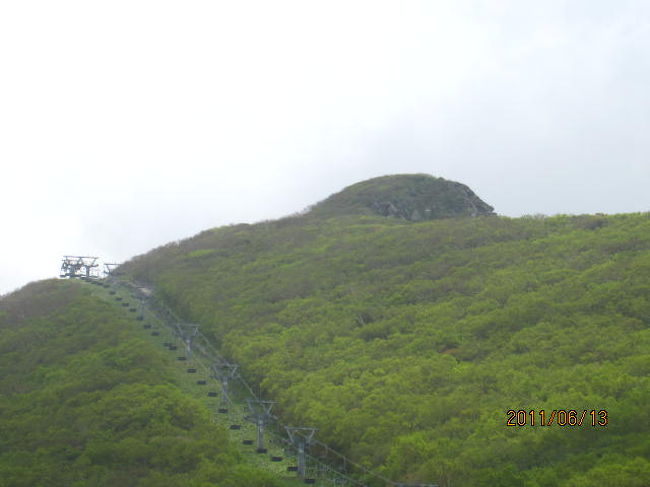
x=127 y=124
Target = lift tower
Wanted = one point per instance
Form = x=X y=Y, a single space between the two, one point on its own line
x=109 y=268
x=187 y=333
x=301 y=438
x=224 y=372
x=261 y=416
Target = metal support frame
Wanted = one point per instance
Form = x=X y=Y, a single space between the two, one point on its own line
x=141 y=299
x=109 y=268
x=300 y=437
x=261 y=416
x=187 y=332
x=79 y=266
x=224 y=372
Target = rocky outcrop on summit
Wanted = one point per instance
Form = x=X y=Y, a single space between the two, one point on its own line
x=412 y=197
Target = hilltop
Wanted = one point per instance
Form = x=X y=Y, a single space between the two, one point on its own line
x=412 y=197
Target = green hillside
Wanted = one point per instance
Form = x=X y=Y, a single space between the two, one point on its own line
x=407 y=343
x=85 y=400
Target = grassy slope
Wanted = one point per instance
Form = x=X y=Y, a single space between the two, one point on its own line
x=85 y=400
x=405 y=344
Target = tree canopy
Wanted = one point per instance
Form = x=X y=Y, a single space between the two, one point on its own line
x=85 y=400
x=407 y=343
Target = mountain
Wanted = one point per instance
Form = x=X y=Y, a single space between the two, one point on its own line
x=409 y=338
x=407 y=342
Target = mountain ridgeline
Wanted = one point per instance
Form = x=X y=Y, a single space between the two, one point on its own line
x=400 y=317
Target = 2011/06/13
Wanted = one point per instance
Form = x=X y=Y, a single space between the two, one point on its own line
x=561 y=417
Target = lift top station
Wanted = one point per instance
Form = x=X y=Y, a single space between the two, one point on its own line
x=76 y=266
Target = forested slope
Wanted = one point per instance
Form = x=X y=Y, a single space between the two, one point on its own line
x=407 y=343
x=86 y=401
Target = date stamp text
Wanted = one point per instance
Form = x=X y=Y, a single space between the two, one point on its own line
x=559 y=417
